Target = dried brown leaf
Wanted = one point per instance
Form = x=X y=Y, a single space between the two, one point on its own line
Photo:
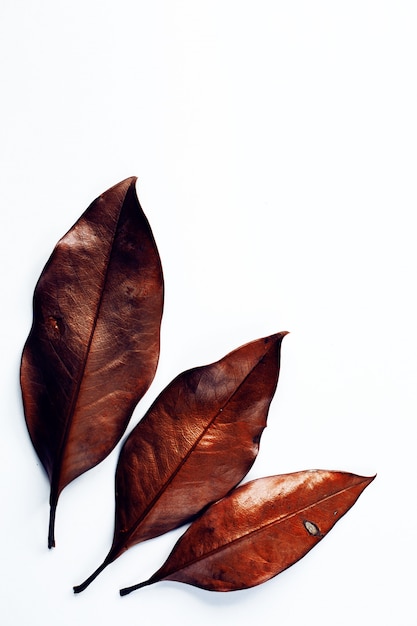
x=259 y=530
x=93 y=348
x=197 y=442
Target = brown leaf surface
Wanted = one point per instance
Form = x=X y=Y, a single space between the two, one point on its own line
x=259 y=530
x=197 y=442
x=93 y=348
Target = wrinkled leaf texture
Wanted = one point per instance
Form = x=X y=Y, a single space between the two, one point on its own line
x=196 y=443
x=259 y=530
x=93 y=348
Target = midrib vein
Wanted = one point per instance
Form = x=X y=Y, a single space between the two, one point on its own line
x=77 y=387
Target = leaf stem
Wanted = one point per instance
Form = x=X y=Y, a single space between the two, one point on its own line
x=51 y=533
x=84 y=585
x=127 y=590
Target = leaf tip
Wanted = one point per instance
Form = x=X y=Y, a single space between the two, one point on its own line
x=123 y=187
x=132 y=180
x=367 y=479
x=276 y=337
x=129 y=181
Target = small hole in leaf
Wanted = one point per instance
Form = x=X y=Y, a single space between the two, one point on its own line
x=56 y=324
x=311 y=528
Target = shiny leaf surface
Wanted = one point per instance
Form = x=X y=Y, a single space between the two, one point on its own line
x=93 y=348
x=197 y=442
x=259 y=530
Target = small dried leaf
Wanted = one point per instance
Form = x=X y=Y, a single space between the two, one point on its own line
x=93 y=348
x=259 y=530
x=197 y=442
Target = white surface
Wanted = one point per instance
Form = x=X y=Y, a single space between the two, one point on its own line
x=275 y=145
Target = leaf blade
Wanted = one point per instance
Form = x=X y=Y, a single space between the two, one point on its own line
x=80 y=375
x=196 y=442
x=259 y=530
x=188 y=454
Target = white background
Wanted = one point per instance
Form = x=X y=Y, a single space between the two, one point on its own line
x=275 y=145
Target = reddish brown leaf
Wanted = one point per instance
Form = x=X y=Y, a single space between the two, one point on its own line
x=197 y=441
x=93 y=348
x=259 y=530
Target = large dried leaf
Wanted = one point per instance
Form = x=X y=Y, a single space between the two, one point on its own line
x=93 y=348
x=259 y=530
x=197 y=442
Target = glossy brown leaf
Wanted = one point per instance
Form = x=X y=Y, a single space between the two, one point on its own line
x=197 y=441
x=93 y=348
x=259 y=530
